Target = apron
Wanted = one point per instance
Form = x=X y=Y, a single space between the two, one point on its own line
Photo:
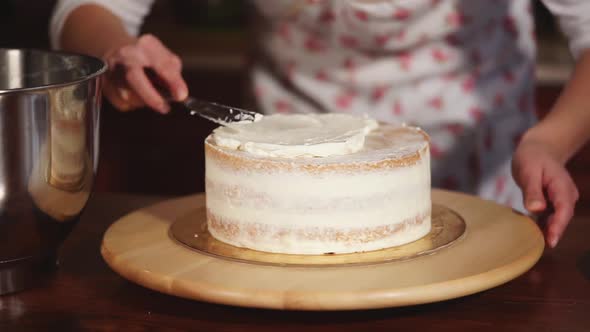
x=462 y=70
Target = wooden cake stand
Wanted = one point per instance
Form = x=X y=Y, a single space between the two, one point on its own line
x=494 y=246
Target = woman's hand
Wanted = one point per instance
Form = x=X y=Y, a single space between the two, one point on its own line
x=545 y=182
x=128 y=87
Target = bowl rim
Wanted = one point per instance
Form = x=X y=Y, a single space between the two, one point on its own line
x=102 y=68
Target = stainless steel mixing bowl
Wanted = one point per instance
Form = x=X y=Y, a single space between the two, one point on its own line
x=49 y=126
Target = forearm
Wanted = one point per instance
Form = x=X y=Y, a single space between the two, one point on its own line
x=93 y=30
x=566 y=128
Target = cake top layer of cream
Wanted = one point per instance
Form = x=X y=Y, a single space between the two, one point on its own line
x=397 y=143
x=297 y=135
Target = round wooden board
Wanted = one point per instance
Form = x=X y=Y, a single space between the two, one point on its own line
x=498 y=246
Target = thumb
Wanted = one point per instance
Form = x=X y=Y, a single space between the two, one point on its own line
x=532 y=184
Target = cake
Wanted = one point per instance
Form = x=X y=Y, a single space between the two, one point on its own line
x=317 y=184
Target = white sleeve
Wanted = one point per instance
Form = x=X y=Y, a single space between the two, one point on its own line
x=574 y=19
x=131 y=13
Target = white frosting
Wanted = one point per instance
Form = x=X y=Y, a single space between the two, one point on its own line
x=344 y=199
x=297 y=135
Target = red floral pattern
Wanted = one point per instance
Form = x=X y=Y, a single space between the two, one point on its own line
x=387 y=61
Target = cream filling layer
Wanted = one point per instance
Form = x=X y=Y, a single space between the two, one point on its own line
x=404 y=193
x=297 y=135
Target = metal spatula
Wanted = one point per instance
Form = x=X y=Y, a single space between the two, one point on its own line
x=220 y=114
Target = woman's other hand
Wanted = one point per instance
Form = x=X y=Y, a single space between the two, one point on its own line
x=545 y=183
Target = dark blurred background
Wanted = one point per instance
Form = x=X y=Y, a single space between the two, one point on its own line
x=143 y=152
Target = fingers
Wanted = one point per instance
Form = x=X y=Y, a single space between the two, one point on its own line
x=139 y=82
x=538 y=171
x=166 y=64
x=563 y=194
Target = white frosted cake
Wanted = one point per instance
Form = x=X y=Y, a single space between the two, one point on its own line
x=317 y=184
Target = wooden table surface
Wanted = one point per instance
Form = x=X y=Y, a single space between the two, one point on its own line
x=84 y=294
